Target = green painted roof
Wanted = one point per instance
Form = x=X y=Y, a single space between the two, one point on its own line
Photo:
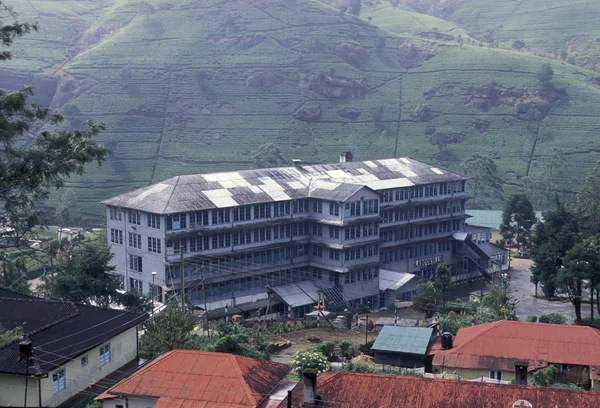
x=411 y=340
x=490 y=218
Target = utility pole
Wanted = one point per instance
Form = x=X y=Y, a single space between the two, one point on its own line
x=367 y=325
x=204 y=296
x=182 y=270
x=25 y=348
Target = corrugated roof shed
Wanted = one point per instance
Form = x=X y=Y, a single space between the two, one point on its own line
x=393 y=280
x=189 y=378
x=343 y=389
x=298 y=293
x=410 y=340
x=335 y=182
x=500 y=344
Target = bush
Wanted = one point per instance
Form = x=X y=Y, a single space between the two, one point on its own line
x=311 y=360
x=359 y=368
x=326 y=348
x=553 y=318
x=366 y=348
x=531 y=319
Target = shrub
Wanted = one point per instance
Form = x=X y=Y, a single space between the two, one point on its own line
x=326 y=348
x=359 y=368
x=310 y=359
x=531 y=319
x=553 y=318
x=366 y=348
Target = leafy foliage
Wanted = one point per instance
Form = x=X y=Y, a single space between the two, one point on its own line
x=269 y=155
x=545 y=74
x=518 y=217
x=484 y=183
x=552 y=239
x=310 y=360
x=170 y=330
x=14 y=275
x=587 y=203
x=29 y=171
x=546 y=377
x=424 y=300
x=553 y=318
x=8 y=336
x=85 y=275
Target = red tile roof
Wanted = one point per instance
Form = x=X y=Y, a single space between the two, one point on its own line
x=502 y=343
x=344 y=389
x=186 y=378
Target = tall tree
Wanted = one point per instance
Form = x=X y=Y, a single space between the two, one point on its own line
x=545 y=74
x=582 y=263
x=484 y=182
x=85 y=275
x=441 y=284
x=552 y=239
x=587 y=203
x=268 y=155
x=29 y=171
x=14 y=274
x=518 y=217
x=518 y=45
x=424 y=301
x=170 y=330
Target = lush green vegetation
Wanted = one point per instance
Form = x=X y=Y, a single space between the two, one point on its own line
x=187 y=87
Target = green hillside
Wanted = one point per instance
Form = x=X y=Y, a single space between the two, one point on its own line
x=194 y=86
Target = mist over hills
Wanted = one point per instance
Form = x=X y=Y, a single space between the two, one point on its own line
x=195 y=86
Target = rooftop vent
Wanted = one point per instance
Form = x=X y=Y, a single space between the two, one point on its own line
x=297 y=162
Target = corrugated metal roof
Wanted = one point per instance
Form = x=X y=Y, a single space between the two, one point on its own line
x=298 y=293
x=343 y=389
x=335 y=182
x=499 y=344
x=189 y=378
x=411 y=340
x=58 y=330
x=393 y=280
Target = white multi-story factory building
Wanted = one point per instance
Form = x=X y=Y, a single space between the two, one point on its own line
x=301 y=232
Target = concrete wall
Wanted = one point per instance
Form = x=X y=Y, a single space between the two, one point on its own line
x=12 y=391
x=123 y=349
x=78 y=378
x=473 y=373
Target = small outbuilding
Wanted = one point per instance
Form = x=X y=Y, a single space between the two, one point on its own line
x=403 y=347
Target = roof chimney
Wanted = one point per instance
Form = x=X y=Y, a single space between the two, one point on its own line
x=521 y=372
x=346 y=157
x=297 y=163
x=309 y=378
x=446 y=341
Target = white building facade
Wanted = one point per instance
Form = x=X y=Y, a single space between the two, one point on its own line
x=334 y=225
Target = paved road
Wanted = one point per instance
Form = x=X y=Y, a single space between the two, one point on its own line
x=523 y=290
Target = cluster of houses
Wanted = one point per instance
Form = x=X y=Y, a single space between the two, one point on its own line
x=70 y=352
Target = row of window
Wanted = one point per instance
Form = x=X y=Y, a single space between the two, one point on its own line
x=361 y=231
x=401 y=234
x=428 y=190
x=363 y=274
x=415 y=251
x=134 y=240
x=59 y=377
x=366 y=251
x=245 y=213
x=363 y=207
x=424 y=211
x=259 y=281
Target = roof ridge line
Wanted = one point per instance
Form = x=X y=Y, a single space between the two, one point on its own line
x=139 y=372
x=245 y=385
x=172 y=192
x=492 y=325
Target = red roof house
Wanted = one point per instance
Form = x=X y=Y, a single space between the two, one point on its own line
x=343 y=389
x=500 y=346
x=188 y=378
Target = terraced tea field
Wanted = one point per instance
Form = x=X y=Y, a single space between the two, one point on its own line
x=187 y=87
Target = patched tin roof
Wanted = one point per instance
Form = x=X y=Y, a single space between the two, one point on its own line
x=410 y=340
x=335 y=182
